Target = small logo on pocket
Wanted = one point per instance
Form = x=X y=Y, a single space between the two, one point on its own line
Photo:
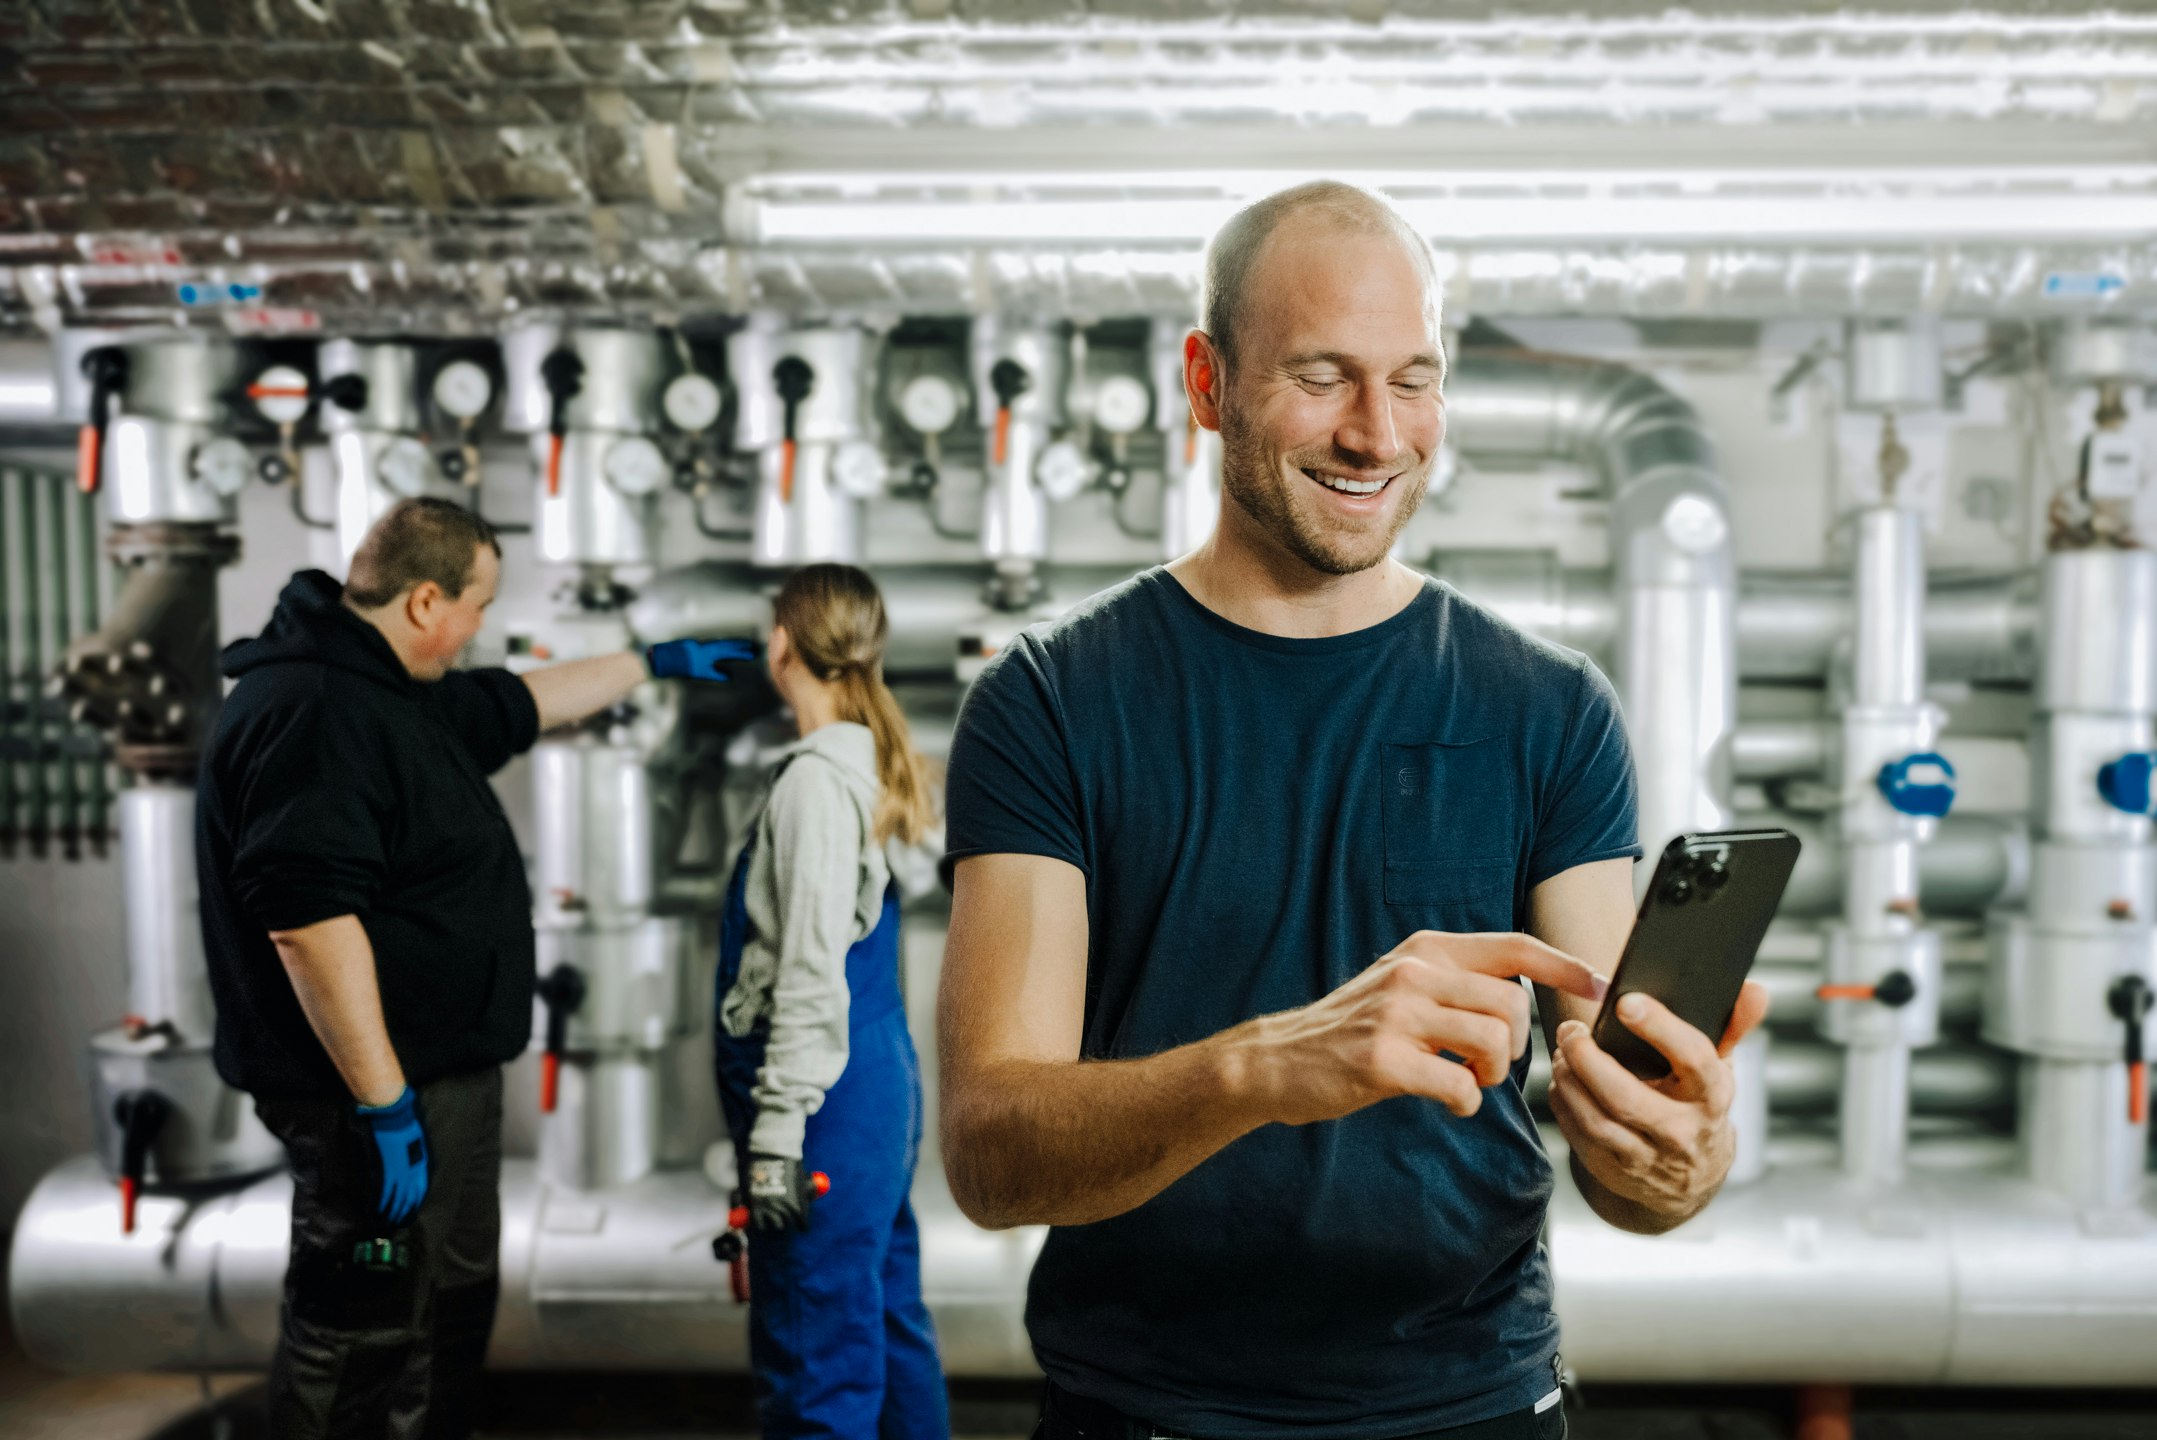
x=1408 y=780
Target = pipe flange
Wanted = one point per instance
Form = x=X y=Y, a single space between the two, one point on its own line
x=133 y=544
x=158 y=762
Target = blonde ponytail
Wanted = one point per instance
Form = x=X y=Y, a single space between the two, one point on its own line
x=834 y=617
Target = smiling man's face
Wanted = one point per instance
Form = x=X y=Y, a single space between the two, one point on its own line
x=1332 y=413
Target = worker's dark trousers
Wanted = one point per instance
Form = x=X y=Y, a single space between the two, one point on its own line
x=372 y=1349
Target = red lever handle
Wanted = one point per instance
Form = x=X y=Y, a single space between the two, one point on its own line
x=128 y=1192
x=554 y=465
x=786 y=471
x=550 y=1080
x=2138 y=1093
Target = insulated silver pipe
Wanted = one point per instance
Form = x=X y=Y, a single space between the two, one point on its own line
x=1972 y=862
x=1675 y=659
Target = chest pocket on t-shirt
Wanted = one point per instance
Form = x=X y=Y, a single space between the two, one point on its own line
x=1452 y=836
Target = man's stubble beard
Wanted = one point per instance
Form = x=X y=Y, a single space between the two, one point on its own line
x=1261 y=492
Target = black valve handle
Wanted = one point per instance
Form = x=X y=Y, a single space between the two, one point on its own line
x=562 y=991
x=106 y=370
x=141 y=1114
x=562 y=373
x=2129 y=1000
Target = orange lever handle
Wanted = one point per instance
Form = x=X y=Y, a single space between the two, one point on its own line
x=128 y=1190
x=2138 y=1093
x=1003 y=432
x=1845 y=992
x=550 y=1081
x=554 y=465
x=786 y=471
x=89 y=445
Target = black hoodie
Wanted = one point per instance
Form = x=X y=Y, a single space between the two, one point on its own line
x=336 y=784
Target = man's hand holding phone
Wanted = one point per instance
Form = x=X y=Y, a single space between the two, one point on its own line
x=1661 y=1145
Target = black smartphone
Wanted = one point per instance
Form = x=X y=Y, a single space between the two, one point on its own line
x=1699 y=927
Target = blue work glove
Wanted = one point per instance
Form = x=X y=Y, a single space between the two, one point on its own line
x=696 y=659
x=401 y=1144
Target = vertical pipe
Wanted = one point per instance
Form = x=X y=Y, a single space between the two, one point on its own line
x=87 y=610
x=10 y=576
x=63 y=823
x=30 y=671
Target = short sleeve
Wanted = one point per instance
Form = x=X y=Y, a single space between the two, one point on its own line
x=1591 y=809
x=491 y=711
x=309 y=840
x=1010 y=788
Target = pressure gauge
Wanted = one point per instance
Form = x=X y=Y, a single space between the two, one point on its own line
x=636 y=466
x=1061 y=470
x=403 y=466
x=1120 y=404
x=858 y=470
x=281 y=394
x=691 y=402
x=222 y=465
x=929 y=404
x=462 y=389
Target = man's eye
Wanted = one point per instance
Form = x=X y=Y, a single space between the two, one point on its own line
x=1321 y=382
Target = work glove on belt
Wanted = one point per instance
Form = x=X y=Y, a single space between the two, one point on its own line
x=697 y=659
x=778 y=1192
x=400 y=1142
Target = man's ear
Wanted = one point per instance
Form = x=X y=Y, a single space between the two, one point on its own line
x=421 y=602
x=1202 y=379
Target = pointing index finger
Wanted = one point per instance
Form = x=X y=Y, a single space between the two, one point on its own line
x=1524 y=955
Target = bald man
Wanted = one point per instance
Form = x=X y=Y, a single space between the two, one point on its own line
x=1249 y=856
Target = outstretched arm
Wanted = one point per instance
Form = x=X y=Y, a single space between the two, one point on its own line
x=1032 y=1134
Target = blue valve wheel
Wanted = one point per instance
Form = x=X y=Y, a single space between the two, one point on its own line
x=1922 y=784
x=2125 y=782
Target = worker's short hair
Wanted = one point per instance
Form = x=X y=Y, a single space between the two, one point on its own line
x=416 y=541
x=1234 y=250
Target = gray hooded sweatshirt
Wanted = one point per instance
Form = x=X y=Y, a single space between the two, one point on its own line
x=815 y=887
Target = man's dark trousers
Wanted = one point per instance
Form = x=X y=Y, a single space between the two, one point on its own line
x=374 y=1350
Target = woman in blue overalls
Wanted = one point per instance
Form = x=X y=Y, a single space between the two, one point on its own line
x=816 y=1070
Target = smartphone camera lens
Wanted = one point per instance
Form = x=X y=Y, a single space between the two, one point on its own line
x=1713 y=873
x=1677 y=890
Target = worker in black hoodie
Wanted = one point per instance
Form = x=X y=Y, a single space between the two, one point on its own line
x=369 y=935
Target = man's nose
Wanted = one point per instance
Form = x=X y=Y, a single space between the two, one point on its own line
x=1369 y=429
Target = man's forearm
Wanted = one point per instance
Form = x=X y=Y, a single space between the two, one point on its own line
x=1030 y=1142
x=575 y=689
x=331 y=965
x=1623 y=1214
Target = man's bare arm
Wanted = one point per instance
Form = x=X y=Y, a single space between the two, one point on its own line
x=331 y=964
x=574 y=689
x=1032 y=1134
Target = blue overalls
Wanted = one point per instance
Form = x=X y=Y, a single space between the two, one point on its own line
x=838 y=1333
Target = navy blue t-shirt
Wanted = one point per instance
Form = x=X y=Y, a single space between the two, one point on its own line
x=1259 y=818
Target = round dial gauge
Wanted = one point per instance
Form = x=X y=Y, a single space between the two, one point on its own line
x=403 y=466
x=858 y=470
x=691 y=402
x=281 y=394
x=1120 y=404
x=929 y=404
x=636 y=466
x=462 y=389
x=222 y=464
x=1062 y=470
